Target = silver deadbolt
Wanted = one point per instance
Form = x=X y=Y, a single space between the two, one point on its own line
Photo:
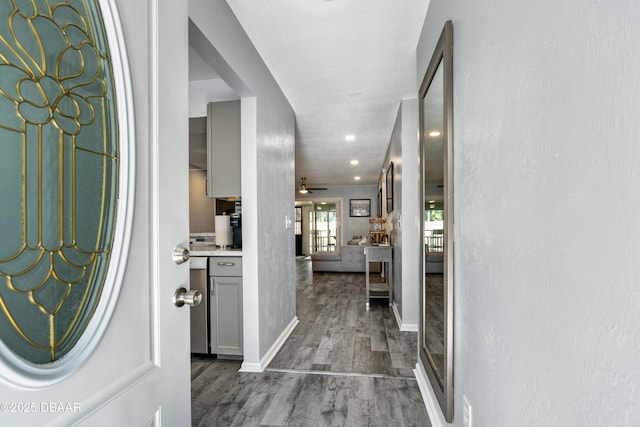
x=181 y=255
x=183 y=296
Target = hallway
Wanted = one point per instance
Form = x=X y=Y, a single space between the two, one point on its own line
x=341 y=366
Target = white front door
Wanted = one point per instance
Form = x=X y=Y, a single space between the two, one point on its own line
x=130 y=366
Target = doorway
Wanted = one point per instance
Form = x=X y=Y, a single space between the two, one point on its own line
x=318 y=225
x=298 y=231
x=324 y=227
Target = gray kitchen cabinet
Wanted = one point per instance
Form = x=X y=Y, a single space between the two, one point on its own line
x=223 y=149
x=226 y=305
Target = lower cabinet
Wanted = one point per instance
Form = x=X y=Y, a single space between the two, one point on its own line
x=226 y=306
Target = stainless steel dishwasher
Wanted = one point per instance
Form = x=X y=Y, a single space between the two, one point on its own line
x=199 y=315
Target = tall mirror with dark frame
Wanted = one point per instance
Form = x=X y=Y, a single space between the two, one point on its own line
x=436 y=290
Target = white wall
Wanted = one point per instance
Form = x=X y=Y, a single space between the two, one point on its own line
x=546 y=130
x=268 y=137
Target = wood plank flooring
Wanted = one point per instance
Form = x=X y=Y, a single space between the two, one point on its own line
x=342 y=366
x=336 y=333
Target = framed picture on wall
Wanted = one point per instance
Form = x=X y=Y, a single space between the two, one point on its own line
x=360 y=207
x=389 y=187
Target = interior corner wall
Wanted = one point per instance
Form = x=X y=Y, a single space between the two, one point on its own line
x=268 y=180
x=546 y=130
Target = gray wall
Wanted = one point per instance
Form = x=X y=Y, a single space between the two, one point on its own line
x=409 y=222
x=547 y=303
x=394 y=154
x=268 y=138
x=351 y=226
x=402 y=221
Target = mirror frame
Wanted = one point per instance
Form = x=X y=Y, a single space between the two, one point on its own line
x=443 y=54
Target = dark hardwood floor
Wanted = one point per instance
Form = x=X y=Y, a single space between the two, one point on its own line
x=341 y=366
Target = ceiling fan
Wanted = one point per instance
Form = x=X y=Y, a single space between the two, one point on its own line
x=303 y=189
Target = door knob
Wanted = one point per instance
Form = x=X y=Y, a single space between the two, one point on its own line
x=183 y=296
x=181 y=255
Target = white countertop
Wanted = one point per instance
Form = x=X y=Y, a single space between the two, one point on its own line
x=211 y=250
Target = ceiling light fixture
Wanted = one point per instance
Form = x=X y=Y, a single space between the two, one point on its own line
x=303 y=189
x=350 y=138
x=434 y=133
x=354 y=162
x=357 y=178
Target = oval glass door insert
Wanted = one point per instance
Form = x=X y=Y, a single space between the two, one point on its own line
x=59 y=173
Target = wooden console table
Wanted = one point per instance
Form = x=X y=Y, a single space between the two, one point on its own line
x=379 y=254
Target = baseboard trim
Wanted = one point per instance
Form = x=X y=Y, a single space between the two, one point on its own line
x=396 y=313
x=429 y=398
x=277 y=345
x=409 y=327
x=404 y=327
x=271 y=353
x=250 y=367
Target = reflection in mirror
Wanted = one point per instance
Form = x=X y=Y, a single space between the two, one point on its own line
x=434 y=286
x=433 y=149
x=436 y=302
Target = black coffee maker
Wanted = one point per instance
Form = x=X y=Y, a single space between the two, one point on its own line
x=236 y=225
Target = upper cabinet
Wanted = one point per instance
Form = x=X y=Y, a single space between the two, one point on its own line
x=223 y=149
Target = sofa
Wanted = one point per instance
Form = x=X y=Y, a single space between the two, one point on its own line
x=349 y=259
x=434 y=263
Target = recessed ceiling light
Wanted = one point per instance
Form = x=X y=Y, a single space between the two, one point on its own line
x=350 y=138
x=434 y=133
x=354 y=162
x=357 y=178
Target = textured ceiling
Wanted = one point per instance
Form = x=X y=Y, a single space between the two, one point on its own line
x=344 y=66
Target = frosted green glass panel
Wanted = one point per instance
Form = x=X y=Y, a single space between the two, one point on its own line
x=59 y=173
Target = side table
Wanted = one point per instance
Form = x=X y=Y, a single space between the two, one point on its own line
x=379 y=254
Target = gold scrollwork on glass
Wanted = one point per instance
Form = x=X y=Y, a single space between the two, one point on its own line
x=58 y=172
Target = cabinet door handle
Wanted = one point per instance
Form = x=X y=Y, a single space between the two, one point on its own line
x=226 y=264
x=211 y=286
